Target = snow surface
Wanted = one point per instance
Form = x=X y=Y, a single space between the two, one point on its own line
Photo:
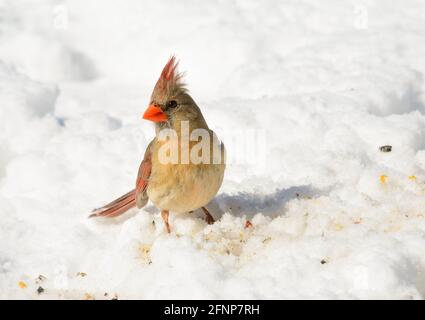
x=323 y=84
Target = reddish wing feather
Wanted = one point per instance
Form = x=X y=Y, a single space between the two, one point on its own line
x=143 y=177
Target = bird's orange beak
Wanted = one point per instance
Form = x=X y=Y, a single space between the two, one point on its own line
x=155 y=114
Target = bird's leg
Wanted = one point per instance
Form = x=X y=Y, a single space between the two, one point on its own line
x=165 y=214
x=208 y=217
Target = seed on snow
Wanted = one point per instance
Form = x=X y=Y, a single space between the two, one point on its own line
x=385 y=148
x=40 y=278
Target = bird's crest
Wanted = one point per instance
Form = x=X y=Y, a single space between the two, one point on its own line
x=170 y=81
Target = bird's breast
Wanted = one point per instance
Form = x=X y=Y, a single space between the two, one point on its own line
x=182 y=188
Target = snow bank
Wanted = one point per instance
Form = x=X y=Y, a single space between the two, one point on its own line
x=320 y=85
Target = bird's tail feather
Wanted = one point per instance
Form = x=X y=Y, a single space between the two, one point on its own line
x=116 y=207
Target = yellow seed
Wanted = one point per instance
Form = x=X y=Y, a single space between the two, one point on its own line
x=22 y=284
x=144 y=253
x=383 y=178
x=88 y=296
x=144 y=250
x=412 y=177
x=338 y=226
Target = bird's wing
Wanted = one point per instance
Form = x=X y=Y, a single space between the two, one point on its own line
x=143 y=177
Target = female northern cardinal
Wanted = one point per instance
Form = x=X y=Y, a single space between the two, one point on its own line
x=179 y=186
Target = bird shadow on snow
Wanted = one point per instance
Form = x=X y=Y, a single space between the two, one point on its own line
x=249 y=204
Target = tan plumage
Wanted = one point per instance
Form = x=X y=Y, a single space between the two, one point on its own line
x=182 y=186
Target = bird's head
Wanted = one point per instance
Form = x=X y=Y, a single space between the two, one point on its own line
x=170 y=101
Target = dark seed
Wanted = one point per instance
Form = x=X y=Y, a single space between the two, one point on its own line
x=40 y=290
x=40 y=278
x=385 y=148
x=323 y=261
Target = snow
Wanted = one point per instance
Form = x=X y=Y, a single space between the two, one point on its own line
x=303 y=94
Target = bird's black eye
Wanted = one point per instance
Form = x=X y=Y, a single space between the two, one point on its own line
x=171 y=104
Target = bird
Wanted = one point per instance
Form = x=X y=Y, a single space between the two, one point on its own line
x=181 y=185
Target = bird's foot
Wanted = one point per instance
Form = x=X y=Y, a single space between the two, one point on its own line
x=248 y=224
x=167 y=226
x=208 y=217
x=165 y=214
